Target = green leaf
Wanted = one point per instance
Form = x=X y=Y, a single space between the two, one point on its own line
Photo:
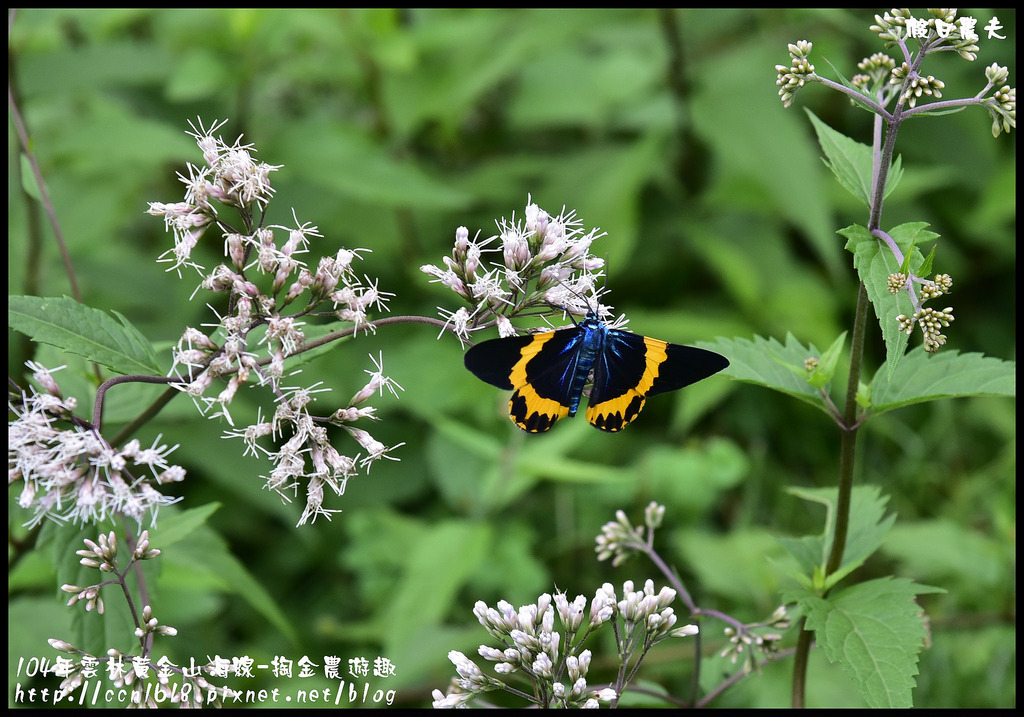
x=739 y=565
x=822 y=374
x=81 y=330
x=769 y=363
x=945 y=551
x=938 y=113
x=926 y=268
x=178 y=525
x=353 y=165
x=204 y=558
x=436 y=566
x=863 y=396
x=875 y=631
x=923 y=377
x=874 y=262
x=693 y=478
x=905 y=265
x=852 y=162
x=868 y=525
x=863 y=99
x=28 y=179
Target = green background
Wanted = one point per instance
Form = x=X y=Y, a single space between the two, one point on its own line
x=663 y=128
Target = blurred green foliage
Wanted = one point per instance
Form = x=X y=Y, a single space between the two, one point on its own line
x=394 y=127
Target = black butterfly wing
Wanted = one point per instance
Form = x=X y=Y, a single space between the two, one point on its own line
x=632 y=367
x=538 y=368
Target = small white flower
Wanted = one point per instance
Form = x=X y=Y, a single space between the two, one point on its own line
x=685 y=631
x=606 y=695
x=542 y=665
x=443 y=701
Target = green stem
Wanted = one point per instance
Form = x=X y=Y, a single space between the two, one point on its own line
x=800 y=657
x=848 y=439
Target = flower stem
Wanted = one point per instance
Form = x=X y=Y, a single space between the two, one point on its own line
x=848 y=437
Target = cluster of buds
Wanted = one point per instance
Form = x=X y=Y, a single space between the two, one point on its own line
x=102 y=555
x=882 y=80
x=913 y=85
x=874 y=75
x=756 y=641
x=1003 y=108
x=930 y=320
x=619 y=539
x=899 y=25
x=138 y=680
x=135 y=673
x=879 y=83
x=544 y=262
x=800 y=71
x=1002 y=105
x=941 y=284
x=892 y=26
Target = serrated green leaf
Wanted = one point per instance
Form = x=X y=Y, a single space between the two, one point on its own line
x=875 y=631
x=771 y=364
x=852 y=162
x=84 y=331
x=874 y=263
x=868 y=525
x=923 y=377
x=895 y=175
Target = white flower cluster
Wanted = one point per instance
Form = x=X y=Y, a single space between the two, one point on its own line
x=306 y=454
x=554 y=661
x=262 y=278
x=69 y=472
x=544 y=262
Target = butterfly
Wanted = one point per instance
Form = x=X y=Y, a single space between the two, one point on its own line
x=548 y=371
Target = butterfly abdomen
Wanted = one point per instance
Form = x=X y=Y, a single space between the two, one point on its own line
x=588 y=346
